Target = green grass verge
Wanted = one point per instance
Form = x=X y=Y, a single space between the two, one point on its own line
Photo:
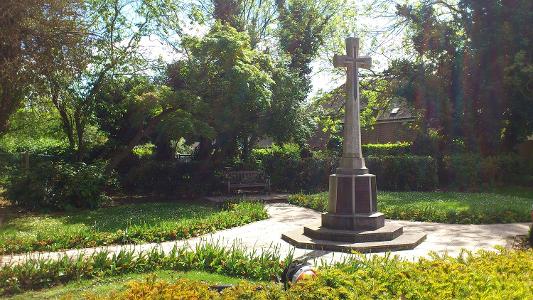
x=140 y=223
x=442 y=207
x=236 y=261
x=115 y=284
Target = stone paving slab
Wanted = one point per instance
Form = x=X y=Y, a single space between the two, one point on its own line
x=441 y=238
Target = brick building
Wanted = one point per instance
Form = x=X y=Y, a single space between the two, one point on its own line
x=393 y=124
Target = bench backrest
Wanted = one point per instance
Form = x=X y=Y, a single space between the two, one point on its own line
x=245 y=176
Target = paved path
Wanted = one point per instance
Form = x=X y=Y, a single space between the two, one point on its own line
x=441 y=238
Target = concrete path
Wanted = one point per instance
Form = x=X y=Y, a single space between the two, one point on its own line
x=441 y=238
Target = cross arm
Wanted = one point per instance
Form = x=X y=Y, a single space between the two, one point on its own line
x=342 y=61
x=364 y=62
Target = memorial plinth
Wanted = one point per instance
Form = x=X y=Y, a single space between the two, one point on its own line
x=353 y=221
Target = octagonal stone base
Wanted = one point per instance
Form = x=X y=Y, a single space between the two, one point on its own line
x=403 y=241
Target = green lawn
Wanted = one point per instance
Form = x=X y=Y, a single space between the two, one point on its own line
x=153 y=222
x=104 y=286
x=502 y=206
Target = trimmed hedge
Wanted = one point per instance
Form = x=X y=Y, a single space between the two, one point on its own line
x=177 y=178
x=472 y=171
x=404 y=173
x=310 y=174
x=389 y=149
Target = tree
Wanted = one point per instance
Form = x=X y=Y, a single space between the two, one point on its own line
x=472 y=70
x=113 y=50
x=232 y=85
x=35 y=35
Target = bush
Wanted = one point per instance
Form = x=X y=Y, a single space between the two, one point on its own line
x=485 y=275
x=59 y=186
x=404 y=173
x=389 y=149
x=177 y=178
x=233 y=261
x=472 y=171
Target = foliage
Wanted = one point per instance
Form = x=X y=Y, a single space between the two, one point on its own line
x=214 y=258
x=59 y=186
x=462 y=80
x=141 y=223
x=36 y=36
x=293 y=169
x=25 y=134
x=289 y=171
x=116 y=28
x=442 y=207
x=388 y=149
x=404 y=173
x=231 y=84
x=103 y=286
x=483 y=275
x=177 y=178
x=472 y=171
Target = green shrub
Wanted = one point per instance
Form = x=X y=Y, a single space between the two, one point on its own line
x=234 y=261
x=288 y=171
x=59 y=186
x=485 y=275
x=177 y=178
x=404 y=173
x=472 y=171
x=389 y=149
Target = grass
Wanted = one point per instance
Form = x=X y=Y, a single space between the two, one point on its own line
x=140 y=223
x=505 y=274
x=234 y=261
x=107 y=285
x=443 y=207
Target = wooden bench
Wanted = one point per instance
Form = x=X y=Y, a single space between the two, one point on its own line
x=236 y=180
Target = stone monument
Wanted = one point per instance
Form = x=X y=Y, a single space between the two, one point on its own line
x=353 y=221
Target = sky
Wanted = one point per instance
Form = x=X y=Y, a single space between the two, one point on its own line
x=373 y=26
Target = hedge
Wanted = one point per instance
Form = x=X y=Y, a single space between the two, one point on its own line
x=468 y=171
x=177 y=178
x=311 y=174
x=389 y=149
x=404 y=173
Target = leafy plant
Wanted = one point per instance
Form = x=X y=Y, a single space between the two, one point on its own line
x=233 y=261
x=140 y=223
x=59 y=186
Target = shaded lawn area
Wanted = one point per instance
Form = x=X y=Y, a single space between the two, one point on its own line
x=443 y=207
x=138 y=223
x=104 y=286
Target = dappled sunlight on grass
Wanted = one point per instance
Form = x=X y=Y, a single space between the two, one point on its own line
x=151 y=222
x=442 y=207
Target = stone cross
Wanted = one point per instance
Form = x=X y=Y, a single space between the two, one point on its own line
x=352 y=161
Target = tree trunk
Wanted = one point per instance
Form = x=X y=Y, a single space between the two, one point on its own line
x=123 y=152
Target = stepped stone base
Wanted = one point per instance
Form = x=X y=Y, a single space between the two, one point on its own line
x=385 y=233
x=362 y=221
x=405 y=241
